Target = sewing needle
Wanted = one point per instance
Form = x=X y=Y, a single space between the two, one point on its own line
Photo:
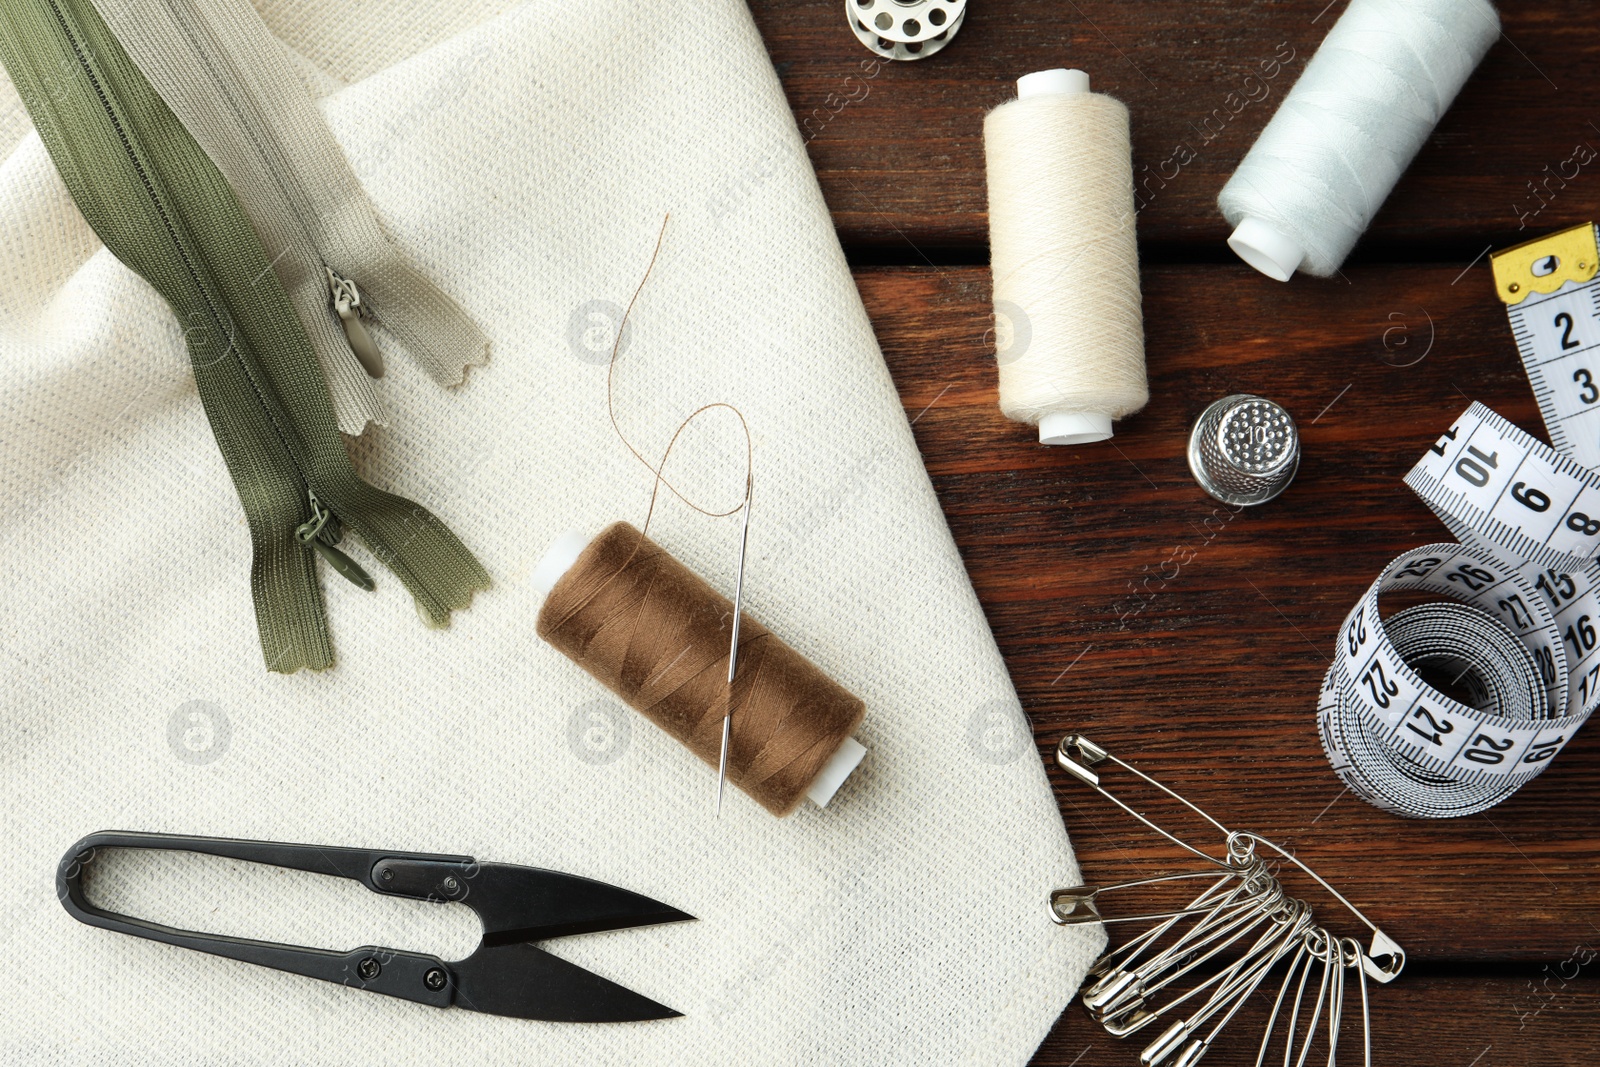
x=733 y=647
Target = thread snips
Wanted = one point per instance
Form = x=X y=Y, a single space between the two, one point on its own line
x=507 y=975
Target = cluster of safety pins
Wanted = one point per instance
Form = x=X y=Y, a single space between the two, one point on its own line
x=1209 y=957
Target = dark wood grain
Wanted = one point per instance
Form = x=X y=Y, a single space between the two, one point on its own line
x=1527 y=1017
x=898 y=146
x=1191 y=638
x=1205 y=672
x=1188 y=637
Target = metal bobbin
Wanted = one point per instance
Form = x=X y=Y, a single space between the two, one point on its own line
x=905 y=29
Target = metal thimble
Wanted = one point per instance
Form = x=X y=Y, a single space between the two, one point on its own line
x=1244 y=449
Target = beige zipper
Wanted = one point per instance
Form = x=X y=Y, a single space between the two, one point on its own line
x=231 y=83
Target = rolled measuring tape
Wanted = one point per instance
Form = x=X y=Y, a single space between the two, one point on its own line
x=1447 y=708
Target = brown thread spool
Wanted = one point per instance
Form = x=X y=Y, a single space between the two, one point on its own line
x=653 y=632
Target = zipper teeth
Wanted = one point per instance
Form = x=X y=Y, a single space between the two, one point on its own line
x=172 y=233
x=418 y=326
x=285 y=175
x=214 y=54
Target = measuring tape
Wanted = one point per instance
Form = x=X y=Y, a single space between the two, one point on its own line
x=1517 y=645
x=1553 y=299
x=1495 y=486
x=1447 y=708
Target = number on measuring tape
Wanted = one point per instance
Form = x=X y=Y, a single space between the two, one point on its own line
x=1552 y=298
x=1496 y=486
x=1408 y=747
x=1525 y=622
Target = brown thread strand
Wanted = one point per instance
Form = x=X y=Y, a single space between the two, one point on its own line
x=653 y=632
x=659 y=471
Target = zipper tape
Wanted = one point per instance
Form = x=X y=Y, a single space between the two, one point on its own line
x=162 y=208
x=1448 y=708
x=230 y=82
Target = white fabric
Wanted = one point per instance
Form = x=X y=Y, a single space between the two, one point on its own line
x=526 y=163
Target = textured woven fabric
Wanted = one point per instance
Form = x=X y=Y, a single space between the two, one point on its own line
x=14 y=123
x=526 y=164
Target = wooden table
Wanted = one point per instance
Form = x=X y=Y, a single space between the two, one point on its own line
x=1130 y=606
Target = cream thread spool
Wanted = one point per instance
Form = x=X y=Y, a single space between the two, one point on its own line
x=1369 y=98
x=1064 y=258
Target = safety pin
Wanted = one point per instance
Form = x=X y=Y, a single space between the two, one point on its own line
x=1330 y=949
x=1081 y=906
x=1115 y=995
x=1103 y=966
x=1224 y=911
x=1075 y=748
x=1076 y=754
x=1237 y=990
x=1382 y=944
x=1141 y=987
x=1114 y=974
x=1332 y=991
x=1244 y=898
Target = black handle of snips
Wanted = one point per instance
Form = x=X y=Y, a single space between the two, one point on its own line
x=408 y=975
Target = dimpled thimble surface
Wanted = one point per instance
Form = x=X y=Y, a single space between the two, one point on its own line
x=1244 y=449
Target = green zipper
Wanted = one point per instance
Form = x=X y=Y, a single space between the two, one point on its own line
x=161 y=207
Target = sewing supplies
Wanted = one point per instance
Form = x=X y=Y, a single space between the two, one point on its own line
x=1243 y=907
x=164 y=209
x=1552 y=297
x=1069 y=332
x=733 y=645
x=1244 y=449
x=232 y=84
x=1498 y=488
x=650 y=629
x=1448 y=708
x=905 y=29
x=653 y=632
x=1369 y=98
x=506 y=975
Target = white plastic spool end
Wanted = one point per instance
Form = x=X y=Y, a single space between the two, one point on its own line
x=1266 y=248
x=1074 y=428
x=558 y=560
x=1057 y=82
x=835 y=771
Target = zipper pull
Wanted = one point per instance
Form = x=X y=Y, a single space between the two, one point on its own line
x=321 y=532
x=347 y=302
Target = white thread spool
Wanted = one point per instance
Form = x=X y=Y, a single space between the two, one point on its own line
x=1369 y=98
x=1064 y=258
